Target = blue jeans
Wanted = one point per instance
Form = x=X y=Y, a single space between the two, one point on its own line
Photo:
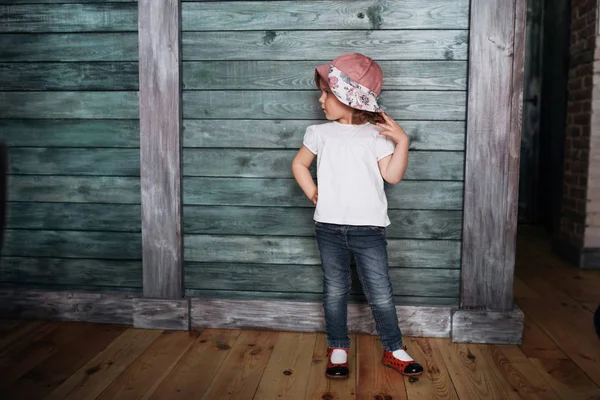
x=369 y=246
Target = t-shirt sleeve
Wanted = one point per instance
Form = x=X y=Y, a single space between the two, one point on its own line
x=384 y=146
x=310 y=140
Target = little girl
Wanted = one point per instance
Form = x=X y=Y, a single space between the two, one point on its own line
x=359 y=148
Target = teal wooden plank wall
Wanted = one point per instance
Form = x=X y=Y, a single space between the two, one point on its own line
x=248 y=97
x=69 y=112
x=69 y=109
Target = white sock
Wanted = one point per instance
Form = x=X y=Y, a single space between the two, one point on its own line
x=402 y=355
x=339 y=356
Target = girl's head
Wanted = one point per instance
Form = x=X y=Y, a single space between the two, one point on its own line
x=352 y=83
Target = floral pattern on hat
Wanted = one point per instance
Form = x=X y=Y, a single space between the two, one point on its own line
x=352 y=93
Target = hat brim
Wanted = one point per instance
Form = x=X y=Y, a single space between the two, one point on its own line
x=350 y=92
x=322 y=73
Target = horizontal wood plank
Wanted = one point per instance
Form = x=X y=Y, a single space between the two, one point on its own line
x=262 y=134
x=243 y=15
x=67 y=1
x=71 y=272
x=300 y=45
x=288 y=134
x=425 y=105
x=93 y=162
x=277 y=164
x=419 y=105
x=230 y=163
x=70 y=133
x=425 y=195
x=309 y=279
x=315 y=297
x=308 y=317
x=102 y=17
x=75 y=189
x=354 y=14
x=69 y=76
x=437 y=195
x=299 y=75
x=303 y=251
x=108 y=289
x=69 y=306
x=216 y=220
x=98 y=105
x=122 y=46
x=77 y=216
x=73 y=244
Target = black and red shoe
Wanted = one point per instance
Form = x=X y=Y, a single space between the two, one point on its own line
x=336 y=371
x=408 y=368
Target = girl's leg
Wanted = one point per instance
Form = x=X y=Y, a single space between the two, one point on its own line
x=335 y=258
x=369 y=245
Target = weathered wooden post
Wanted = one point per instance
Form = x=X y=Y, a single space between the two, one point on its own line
x=496 y=56
x=163 y=306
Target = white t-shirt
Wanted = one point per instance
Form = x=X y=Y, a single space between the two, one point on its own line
x=349 y=181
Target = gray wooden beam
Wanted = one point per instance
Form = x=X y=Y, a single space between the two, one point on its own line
x=161 y=314
x=160 y=147
x=492 y=153
x=503 y=327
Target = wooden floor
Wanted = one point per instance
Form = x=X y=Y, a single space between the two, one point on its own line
x=559 y=358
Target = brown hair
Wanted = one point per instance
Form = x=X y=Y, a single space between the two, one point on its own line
x=360 y=117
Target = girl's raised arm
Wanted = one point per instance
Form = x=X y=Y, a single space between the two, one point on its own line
x=393 y=167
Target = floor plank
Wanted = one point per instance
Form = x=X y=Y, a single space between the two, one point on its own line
x=537 y=344
x=566 y=379
x=571 y=329
x=24 y=334
x=286 y=374
x=518 y=376
x=591 y=306
x=522 y=291
x=98 y=373
x=435 y=382
x=242 y=369
x=16 y=364
x=374 y=380
x=9 y=325
x=321 y=387
x=68 y=358
x=206 y=355
x=470 y=372
x=144 y=375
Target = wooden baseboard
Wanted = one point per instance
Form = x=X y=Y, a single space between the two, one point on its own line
x=469 y=326
x=474 y=326
x=67 y=306
x=161 y=314
x=426 y=321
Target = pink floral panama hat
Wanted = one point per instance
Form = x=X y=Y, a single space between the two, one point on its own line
x=354 y=79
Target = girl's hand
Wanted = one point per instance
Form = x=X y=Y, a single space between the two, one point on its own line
x=392 y=130
x=315 y=197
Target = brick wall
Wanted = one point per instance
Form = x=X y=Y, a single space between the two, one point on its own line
x=579 y=236
x=578 y=129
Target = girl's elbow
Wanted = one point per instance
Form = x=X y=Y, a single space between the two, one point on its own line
x=392 y=180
